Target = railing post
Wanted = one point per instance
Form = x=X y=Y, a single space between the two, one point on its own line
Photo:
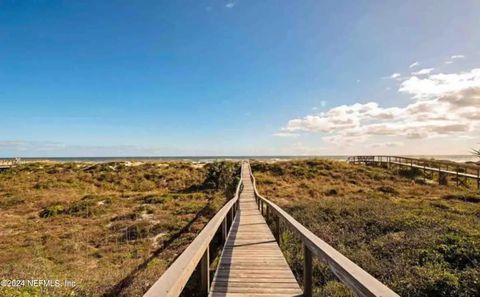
x=205 y=273
x=458 y=181
x=307 y=272
x=277 y=228
x=478 y=180
x=224 y=230
x=261 y=211
x=424 y=173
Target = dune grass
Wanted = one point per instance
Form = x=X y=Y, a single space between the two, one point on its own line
x=419 y=239
x=112 y=228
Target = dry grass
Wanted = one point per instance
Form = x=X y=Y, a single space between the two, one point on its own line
x=113 y=228
x=419 y=239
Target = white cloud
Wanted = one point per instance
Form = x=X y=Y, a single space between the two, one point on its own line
x=230 y=5
x=440 y=84
x=453 y=58
x=414 y=64
x=423 y=71
x=443 y=104
x=395 y=75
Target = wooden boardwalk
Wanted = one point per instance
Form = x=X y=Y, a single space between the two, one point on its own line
x=461 y=172
x=7 y=164
x=252 y=264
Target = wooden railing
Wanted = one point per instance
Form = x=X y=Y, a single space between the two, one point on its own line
x=197 y=255
x=5 y=164
x=461 y=172
x=358 y=280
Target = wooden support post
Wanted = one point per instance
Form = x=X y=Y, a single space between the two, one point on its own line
x=261 y=211
x=478 y=180
x=307 y=272
x=224 y=230
x=277 y=228
x=456 y=171
x=439 y=175
x=424 y=172
x=205 y=273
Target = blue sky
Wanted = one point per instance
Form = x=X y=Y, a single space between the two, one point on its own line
x=106 y=78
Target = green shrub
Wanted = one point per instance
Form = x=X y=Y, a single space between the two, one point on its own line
x=335 y=289
x=470 y=282
x=410 y=172
x=52 y=210
x=465 y=197
x=331 y=192
x=387 y=190
x=155 y=199
x=137 y=231
x=222 y=176
x=443 y=179
x=432 y=281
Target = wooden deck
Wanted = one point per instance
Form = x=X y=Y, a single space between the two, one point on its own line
x=252 y=263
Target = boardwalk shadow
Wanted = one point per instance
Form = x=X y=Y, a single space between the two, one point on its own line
x=117 y=289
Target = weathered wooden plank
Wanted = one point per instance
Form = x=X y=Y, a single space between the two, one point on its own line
x=281 y=278
x=254 y=295
x=254 y=285
x=256 y=290
x=255 y=273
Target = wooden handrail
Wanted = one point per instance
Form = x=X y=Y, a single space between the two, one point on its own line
x=358 y=280
x=465 y=171
x=9 y=162
x=174 y=279
x=363 y=158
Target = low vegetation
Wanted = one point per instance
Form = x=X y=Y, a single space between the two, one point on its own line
x=476 y=152
x=112 y=228
x=417 y=237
